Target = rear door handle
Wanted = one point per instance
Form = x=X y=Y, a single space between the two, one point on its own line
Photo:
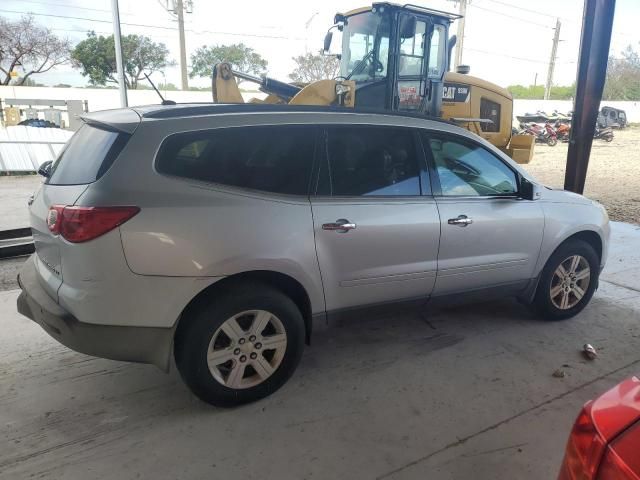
x=461 y=221
x=341 y=226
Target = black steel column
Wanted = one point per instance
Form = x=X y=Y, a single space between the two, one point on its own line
x=597 y=22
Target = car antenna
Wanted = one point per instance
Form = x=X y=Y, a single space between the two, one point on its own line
x=164 y=102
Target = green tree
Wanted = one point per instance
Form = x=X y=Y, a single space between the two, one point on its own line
x=33 y=48
x=242 y=58
x=623 y=76
x=537 y=92
x=312 y=67
x=96 y=58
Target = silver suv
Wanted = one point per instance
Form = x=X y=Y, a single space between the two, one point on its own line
x=223 y=234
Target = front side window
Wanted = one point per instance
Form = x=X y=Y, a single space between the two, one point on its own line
x=489 y=111
x=468 y=169
x=372 y=161
x=411 y=61
x=274 y=159
x=365 y=46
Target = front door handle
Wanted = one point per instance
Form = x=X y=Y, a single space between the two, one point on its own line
x=461 y=221
x=341 y=226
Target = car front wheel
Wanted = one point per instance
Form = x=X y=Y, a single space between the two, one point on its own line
x=568 y=281
x=240 y=346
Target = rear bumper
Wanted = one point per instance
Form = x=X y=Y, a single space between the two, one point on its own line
x=131 y=344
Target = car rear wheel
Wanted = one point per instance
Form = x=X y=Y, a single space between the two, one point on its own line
x=240 y=346
x=568 y=281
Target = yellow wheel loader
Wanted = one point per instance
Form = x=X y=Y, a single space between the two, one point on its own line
x=396 y=58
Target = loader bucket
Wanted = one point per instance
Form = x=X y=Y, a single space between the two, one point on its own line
x=520 y=148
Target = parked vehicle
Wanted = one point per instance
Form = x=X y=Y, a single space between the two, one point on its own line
x=394 y=58
x=563 y=131
x=605 y=439
x=225 y=234
x=605 y=134
x=543 y=117
x=543 y=133
x=612 y=117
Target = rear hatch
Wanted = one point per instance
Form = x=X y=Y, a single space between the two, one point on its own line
x=84 y=159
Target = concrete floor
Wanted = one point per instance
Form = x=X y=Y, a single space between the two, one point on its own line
x=14 y=193
x=465 y=392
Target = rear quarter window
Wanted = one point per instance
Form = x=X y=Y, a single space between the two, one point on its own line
x=276 y=159
x=87 y=156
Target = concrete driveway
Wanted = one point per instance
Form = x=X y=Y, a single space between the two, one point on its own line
x=465 y=392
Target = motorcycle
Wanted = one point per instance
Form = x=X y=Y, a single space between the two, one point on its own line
x=605 y=134
x=562 y=131
x=543 y=134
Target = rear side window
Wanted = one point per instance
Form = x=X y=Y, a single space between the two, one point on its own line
x=490 y=111
x=87 y=156
x=371 y=161
x=275 y=159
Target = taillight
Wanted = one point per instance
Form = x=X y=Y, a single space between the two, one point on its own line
x=54 y=218
x=584 y=449
x=81 y=224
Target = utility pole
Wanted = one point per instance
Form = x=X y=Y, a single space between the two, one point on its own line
x=552 y=60
x=462 y=10
x=183 y=52
x=118 y=44
x=307 y=24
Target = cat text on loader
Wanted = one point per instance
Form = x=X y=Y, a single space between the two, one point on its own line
x=396 y=58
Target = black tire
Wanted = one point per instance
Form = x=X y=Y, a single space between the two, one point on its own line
x=552 y=141
x=199 y=325
x=543 y=303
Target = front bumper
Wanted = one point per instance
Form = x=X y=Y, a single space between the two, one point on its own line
x=131 y=344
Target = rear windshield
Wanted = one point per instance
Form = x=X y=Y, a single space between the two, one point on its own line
x=87 y=156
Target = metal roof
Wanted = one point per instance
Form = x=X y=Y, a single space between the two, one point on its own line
x=24 y=149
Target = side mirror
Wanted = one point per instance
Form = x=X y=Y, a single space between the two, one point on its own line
x=407 y=26
x=327 y=41
x=529 y=190
x=45 y=169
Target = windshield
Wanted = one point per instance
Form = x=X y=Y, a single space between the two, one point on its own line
x=365 y=47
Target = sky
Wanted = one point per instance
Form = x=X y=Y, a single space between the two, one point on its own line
x=506 y=41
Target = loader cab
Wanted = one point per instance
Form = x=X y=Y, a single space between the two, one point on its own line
x=397 y=56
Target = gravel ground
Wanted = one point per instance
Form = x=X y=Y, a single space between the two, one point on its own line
x=613 y=177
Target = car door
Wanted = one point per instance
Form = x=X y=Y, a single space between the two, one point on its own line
x=376 y=224
x=490 y=235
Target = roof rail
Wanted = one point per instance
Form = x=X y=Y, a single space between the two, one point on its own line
x=190 y=110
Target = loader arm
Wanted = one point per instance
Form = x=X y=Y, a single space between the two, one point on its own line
x=224 y=88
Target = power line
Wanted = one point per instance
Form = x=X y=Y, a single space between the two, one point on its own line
x=510 y=16
x=537 y=12
x=507 y=56
x=142 y=25
x=49 y=4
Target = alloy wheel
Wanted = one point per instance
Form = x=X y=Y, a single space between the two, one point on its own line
x=570 y=282
x=247 y=349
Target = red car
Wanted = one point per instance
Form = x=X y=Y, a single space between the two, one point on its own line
x=605 y=439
